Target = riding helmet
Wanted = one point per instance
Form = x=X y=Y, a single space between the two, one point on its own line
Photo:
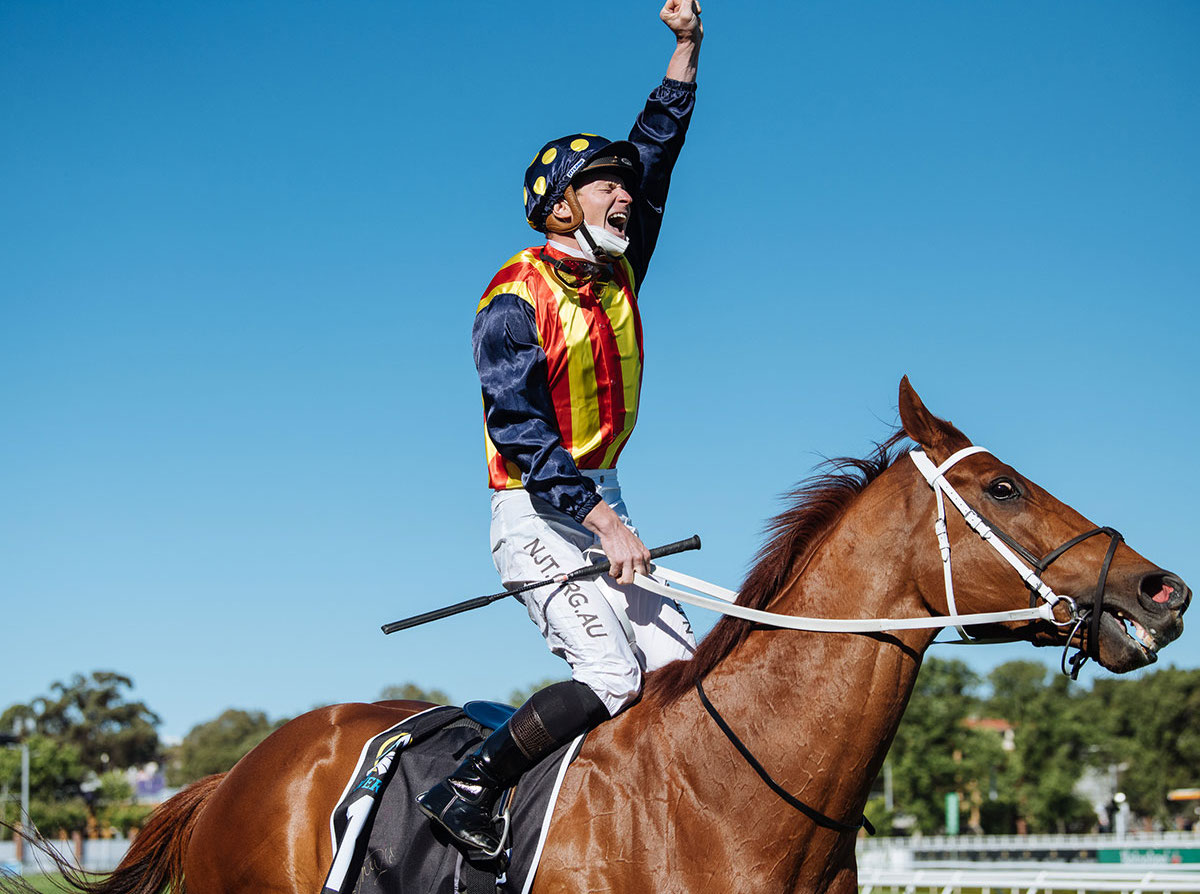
x=548 y=177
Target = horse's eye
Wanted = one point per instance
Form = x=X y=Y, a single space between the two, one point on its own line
x=1003 y=489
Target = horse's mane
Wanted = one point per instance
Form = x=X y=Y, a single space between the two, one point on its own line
x=813 y=508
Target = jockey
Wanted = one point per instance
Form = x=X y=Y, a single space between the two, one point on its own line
x=558 y=344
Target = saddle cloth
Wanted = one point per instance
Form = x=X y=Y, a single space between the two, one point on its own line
x=383 y=844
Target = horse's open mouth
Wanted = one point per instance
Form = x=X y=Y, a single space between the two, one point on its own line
x=1136 y=632
x=1125 y=642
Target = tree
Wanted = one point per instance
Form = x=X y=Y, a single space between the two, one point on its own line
x=1054 y=741
x=217 y=745
x=1015 y=687
x=413 y=692
x=934 y=753
x=518 y=697
x=55 y=769
x=1150 y=734
x=94 y=715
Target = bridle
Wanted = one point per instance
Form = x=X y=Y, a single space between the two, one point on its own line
x=1026 y=564
x=1022 y=560
x=1042 y=601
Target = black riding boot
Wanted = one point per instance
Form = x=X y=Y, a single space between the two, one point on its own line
x=462 y=803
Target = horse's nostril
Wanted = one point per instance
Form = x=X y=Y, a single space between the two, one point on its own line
x=1164 y=589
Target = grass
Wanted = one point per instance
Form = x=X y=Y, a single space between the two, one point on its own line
x=44 y=883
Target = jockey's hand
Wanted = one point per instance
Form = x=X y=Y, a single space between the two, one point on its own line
x=683 y=17
x=624 y=549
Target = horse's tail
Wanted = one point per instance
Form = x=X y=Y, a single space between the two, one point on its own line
x=154 y=860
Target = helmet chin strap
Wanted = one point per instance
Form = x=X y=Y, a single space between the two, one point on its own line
x=599 y=243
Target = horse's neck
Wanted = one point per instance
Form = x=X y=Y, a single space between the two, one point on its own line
x=819 y=710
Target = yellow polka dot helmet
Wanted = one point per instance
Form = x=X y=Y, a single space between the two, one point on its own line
x=548 y=177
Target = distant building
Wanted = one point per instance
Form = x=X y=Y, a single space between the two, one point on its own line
x=997 y=725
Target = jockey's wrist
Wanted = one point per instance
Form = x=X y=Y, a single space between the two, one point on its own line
x=602 y=520
x=684 y=62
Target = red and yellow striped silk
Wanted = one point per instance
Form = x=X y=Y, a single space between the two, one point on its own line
x=592 y=338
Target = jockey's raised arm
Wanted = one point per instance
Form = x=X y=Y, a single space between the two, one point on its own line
x=557 y=341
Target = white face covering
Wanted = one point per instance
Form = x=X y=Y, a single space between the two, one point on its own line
x=599 y=243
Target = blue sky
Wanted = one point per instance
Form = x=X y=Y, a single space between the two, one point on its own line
x=241 y=246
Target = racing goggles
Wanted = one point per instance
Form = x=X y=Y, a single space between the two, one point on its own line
x=576 y=272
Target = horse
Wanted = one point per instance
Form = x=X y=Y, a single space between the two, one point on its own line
x=764 y=791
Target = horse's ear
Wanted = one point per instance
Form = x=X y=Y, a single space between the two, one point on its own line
x=937 y=436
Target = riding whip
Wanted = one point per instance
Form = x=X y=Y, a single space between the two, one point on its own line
x=587 y=571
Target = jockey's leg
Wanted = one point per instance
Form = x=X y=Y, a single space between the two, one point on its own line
x=463 y=802
x=581 y=626
x=661 y=631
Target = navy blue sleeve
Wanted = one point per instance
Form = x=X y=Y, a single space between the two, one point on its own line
x=517 y=406
x=658 y=134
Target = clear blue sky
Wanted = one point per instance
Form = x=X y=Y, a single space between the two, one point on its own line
x=241 y=246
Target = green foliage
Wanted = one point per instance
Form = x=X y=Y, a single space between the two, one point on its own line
x=93 y=715
x=413 y=692
x=54 y=818
x=83 y=734
x=953 y=738
x=56 y=770
x=932 y=743
x=881 y=818
x=1151 y=730
x=114 y=788
x=217 y=745
x=124 y=818
x=1054 y=741
x=518 y=697
x=1015 y=688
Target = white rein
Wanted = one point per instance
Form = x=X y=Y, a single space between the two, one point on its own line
x=702 y=594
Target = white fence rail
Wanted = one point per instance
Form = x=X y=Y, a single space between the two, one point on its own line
x=886 y=865
x=983 y=878
x=99 y=855
x=1032 y=842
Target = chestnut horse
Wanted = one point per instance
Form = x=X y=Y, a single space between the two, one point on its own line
x=660 y=800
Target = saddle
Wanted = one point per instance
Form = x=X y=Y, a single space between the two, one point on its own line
x=384 y=844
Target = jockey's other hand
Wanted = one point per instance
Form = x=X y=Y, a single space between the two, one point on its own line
x=683 y=18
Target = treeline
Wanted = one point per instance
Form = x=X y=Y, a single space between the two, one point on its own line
x=82 y=737
x=87 y=734
x=1015 y=744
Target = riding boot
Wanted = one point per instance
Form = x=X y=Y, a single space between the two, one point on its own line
x=463 y=802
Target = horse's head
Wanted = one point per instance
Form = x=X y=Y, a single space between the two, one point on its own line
x=1126 y=608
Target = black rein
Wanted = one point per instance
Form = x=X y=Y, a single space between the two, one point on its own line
x=815 y=815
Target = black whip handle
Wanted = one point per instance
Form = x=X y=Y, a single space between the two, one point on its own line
x=667 y=549
x=598 y=568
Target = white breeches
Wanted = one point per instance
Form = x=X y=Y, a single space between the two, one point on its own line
x=609 y=634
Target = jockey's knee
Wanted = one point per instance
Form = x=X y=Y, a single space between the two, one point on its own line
x=617 y=686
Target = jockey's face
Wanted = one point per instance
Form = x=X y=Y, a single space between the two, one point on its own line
x=606 y=200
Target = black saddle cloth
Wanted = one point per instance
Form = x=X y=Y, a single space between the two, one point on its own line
x=405 y=852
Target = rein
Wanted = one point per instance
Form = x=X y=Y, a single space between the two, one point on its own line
x=1025 y=563
x=1022 y=561
x=812 y=813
